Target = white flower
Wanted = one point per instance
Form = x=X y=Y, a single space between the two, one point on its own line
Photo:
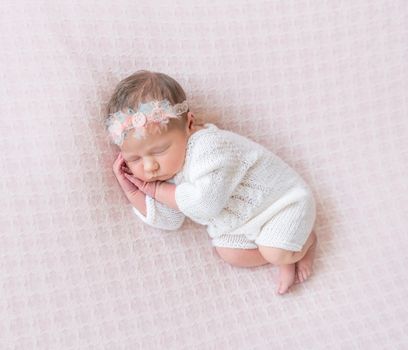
x=116 y=127
x=139 y=120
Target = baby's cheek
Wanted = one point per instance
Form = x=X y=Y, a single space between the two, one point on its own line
x=135 y=169
x=175 y=162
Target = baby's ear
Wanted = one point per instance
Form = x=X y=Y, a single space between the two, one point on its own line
x=190 y=119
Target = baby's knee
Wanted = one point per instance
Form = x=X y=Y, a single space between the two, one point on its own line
x=241 y=257
x=276 y=256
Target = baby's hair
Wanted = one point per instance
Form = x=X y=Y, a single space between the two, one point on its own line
x=144 y=86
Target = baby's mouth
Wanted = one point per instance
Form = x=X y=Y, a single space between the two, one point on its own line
x=155 y=178
x=152 y=178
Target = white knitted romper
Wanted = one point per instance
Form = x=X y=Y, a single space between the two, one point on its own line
x=245 y=195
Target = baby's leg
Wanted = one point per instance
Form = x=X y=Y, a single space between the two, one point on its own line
x=304 y=267
x=241 y=257
x=280 y=256
x=289 y=272
x=286 y=278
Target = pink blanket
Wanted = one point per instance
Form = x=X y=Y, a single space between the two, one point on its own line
x=323 y=84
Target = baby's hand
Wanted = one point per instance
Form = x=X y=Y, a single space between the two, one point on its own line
x=148 y=188
x=120 y=170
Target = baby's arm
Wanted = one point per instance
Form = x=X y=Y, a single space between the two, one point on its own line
x=161 y=210
x=136 y=197
x=166 y=194
x=160 y=215
x=139 y=202
x=162 y=191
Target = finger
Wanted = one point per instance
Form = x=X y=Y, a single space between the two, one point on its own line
x=121 y=161
x=117 y=165
x=127 y=184
x=117 y=158
x=118 y=169
x=133 y=179
x=126 y=170
x=117 y=161
x=136 y=180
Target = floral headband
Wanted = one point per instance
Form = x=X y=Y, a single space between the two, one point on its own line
x=154 y=112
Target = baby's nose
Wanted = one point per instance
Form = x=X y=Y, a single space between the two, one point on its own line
x=150 y=165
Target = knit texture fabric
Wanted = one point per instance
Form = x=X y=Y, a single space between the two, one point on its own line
x=161 y=216
x=228 y=179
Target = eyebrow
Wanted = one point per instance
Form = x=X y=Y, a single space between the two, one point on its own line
x=153 y=149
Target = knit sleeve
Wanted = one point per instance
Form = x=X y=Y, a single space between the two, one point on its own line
x=215 y=169
x=160 y=216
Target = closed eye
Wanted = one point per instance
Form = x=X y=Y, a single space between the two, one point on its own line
x=154 y=153
x=160 y=152
x=133 y=160
x=137 y=159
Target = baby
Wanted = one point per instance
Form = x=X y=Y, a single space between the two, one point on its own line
x=257 y=209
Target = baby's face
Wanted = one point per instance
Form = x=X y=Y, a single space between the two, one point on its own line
x=158 y=156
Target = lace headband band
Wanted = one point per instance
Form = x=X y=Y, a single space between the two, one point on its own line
x=154 y=112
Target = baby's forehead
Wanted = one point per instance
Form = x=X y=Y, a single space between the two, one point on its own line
x=148 y=141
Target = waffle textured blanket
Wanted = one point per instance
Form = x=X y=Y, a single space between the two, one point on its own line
x=322 y=84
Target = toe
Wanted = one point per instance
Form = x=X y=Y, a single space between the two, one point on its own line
x=296 y=276
x=305 y=276
x=306 y=273
x=282 y=290
x=301 y=276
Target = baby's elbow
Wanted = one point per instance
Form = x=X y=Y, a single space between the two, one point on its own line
x=173 y=226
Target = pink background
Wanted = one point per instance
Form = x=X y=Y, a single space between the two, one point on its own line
x=323 y=84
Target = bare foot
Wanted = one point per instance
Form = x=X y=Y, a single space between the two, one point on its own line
x=286 y=278
x=304 y=267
